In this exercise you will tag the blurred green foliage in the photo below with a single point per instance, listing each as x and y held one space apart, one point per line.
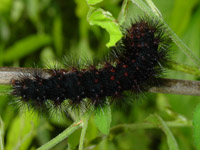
44 31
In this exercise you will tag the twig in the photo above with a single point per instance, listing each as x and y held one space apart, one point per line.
61 136
9 73
171 86
174 86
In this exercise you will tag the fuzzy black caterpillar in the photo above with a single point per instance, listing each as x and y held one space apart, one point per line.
136 66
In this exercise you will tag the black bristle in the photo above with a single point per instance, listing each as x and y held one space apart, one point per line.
137 64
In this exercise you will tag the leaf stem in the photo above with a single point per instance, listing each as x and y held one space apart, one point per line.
160 123
76 125
154 8
85 119
184 68
1 134
148 125
123 12
83 132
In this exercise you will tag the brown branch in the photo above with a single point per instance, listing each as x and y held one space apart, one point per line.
171 86
175 86
9 73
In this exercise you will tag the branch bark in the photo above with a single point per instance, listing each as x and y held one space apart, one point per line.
175 86
9 73
170 86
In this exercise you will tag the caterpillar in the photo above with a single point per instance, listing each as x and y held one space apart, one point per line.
136 65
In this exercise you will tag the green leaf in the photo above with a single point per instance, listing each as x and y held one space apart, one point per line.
47 56
196 124
160 123
57 35
93 2
103 119
33 11
5 6
104 19
17 11
182 9
81 10
26 46
73 139
21 132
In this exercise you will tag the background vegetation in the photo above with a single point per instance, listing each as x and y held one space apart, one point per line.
42 32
